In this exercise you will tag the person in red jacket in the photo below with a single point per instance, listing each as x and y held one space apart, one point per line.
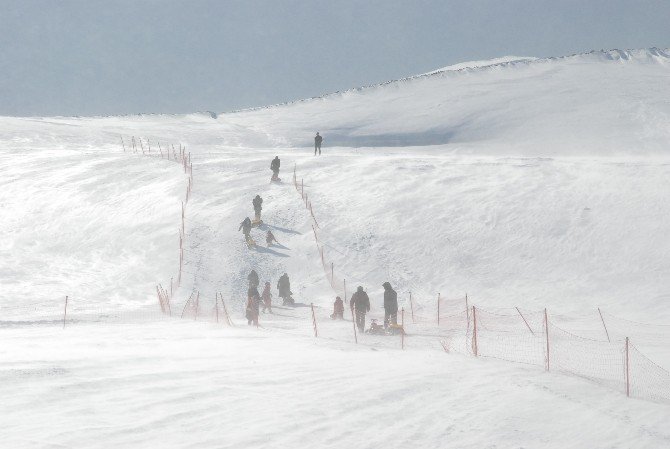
266 296
338 309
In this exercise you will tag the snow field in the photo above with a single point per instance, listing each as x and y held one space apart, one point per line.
453 183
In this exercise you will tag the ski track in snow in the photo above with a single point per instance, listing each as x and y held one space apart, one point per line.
529 190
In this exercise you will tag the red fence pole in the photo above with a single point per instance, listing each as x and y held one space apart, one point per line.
65 312
475 347
627 370
438 309
124 144
411 305
546 333
601 319
316 332
467 308
524 320
402 330
216 307
332 275
345 290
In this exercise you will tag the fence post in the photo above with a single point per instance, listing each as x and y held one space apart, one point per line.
345 290
225 311
65 312
353 320
601 319
411 306
302 188
546 333
402 330
124 144
332 275
467 308
216 307
149 145
197 306
627 370
475 344
438 309
160 300
524 320
475 347
316 332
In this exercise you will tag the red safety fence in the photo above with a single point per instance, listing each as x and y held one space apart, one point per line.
595 347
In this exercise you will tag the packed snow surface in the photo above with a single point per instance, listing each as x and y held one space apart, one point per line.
523 183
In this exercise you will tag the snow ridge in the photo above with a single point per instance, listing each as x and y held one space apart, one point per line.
648 55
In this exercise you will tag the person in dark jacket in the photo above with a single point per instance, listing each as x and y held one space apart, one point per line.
253 279
390 305
284 287
253 303
317 143
245 226
274 166
360 303
258 206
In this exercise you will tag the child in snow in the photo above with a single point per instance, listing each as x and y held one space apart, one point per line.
338 309
267 298
269 238
253 300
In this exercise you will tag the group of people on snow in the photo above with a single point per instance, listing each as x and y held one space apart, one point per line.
359 302
257 300
360 306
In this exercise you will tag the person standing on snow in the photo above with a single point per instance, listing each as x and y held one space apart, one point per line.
360 303
245 226
317 143
390 305
253 301
274 166
284 287
338 309
258 206
253 279
270 237
267 298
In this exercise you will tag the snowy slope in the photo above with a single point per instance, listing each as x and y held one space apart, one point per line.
525 183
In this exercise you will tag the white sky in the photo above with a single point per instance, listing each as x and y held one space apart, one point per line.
85 57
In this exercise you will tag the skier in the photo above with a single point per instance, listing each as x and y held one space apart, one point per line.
338 309
390 305
360 303
274 166
270 237
253 279
253 300
284 287
267 298
245 226
317 143
258 206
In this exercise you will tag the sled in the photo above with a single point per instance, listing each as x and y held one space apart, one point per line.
250 242
277 180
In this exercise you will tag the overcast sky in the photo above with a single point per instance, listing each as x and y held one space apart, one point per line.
91 57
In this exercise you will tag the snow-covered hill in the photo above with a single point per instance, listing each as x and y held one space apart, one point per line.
529 183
